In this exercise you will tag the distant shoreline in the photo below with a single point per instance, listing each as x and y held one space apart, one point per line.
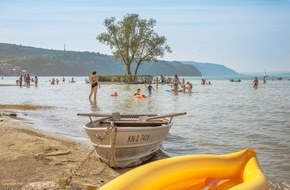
8 85
117 83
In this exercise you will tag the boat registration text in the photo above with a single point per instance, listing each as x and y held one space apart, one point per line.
138 138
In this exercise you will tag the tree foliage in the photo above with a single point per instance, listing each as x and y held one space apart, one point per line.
133 40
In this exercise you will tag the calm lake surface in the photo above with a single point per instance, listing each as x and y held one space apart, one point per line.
221 118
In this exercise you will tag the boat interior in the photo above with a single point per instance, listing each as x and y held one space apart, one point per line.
120 120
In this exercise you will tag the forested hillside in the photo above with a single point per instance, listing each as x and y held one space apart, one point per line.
211 69
45 62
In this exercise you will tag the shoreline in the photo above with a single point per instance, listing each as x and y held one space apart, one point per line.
28 155
8 85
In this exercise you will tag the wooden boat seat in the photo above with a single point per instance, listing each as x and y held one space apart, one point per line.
136 123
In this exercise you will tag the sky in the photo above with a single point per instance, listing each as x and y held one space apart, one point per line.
244 35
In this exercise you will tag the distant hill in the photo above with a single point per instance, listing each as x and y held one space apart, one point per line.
211 69
45 62
169 68
280 74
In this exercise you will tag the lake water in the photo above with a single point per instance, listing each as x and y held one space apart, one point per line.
221 118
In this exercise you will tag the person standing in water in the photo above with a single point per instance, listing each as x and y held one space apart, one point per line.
157 82
150 88
264 80
189 87
36 81
175 82
20 80
27 80
162 78
94 79
255 83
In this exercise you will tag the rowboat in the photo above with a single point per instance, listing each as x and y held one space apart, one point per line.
235 171
127 140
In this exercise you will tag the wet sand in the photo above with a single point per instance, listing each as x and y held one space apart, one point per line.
28 155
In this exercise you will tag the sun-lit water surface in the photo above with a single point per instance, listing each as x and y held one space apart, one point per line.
221 118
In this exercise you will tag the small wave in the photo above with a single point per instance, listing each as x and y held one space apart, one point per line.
278 185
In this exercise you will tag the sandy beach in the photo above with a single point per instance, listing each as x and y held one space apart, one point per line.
28 155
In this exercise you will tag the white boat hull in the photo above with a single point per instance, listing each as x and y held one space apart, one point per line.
123 147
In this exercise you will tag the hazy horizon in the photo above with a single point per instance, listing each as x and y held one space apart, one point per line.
246 36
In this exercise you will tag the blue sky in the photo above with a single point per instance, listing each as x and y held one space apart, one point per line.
245 35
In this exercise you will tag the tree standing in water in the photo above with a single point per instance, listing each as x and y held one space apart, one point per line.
133 40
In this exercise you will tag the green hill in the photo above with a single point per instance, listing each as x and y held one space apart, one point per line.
45 62
211 69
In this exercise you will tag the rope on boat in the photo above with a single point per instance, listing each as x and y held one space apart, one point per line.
68 180
73 173
112 157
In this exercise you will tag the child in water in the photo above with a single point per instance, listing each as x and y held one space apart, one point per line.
137 93
150 88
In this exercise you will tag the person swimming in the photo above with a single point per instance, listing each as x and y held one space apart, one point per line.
114 94
137 93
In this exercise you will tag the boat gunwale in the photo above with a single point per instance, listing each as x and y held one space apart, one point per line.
127 128
127 124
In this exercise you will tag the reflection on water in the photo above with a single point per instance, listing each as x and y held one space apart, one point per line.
221 118
94 106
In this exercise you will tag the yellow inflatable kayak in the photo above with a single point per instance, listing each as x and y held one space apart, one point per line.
235 171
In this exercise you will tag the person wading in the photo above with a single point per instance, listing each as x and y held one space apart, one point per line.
94 79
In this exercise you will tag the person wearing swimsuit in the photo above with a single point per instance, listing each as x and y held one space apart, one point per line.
94 85
255 83
175 82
